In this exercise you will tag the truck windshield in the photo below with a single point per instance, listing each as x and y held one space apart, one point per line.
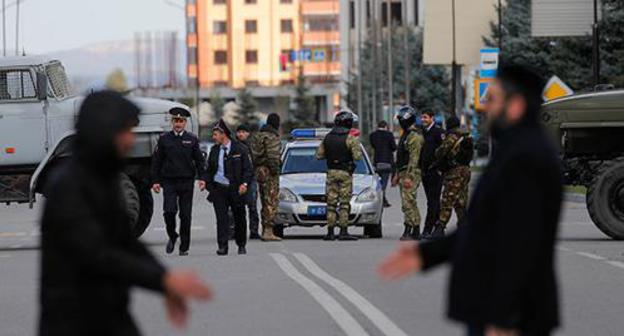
303 160
58 80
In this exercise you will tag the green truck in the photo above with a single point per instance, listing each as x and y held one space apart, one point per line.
589 129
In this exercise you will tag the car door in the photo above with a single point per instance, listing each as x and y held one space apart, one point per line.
23 133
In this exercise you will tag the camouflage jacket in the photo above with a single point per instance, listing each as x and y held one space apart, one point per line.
445 154
353 144
266 149
413 145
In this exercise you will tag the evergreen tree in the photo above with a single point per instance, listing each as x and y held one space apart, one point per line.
247 108
304 113
217 102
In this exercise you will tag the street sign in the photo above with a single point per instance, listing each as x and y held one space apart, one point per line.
480 94
556 88
319 55
489 62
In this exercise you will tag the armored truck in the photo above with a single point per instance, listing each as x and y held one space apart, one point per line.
37 115
589 129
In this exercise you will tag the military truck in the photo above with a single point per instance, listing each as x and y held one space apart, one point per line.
37 115
589 129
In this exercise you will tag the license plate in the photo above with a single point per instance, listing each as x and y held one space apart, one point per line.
317 210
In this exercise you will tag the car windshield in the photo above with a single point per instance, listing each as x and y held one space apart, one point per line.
303 160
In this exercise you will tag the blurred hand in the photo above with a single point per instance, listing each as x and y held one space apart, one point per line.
496 331
156 188
242 189
395 180
408 184
186 285
405 261
177 310
202 185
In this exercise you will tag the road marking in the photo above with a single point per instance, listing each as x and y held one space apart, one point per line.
379 319
564 249
16 246
591 255
596 257
338 313
617 264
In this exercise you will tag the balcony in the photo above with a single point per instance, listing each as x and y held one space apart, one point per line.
322 69
312 38
322 7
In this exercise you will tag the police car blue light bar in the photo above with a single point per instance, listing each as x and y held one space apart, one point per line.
309 133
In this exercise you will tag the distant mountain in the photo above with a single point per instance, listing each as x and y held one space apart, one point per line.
89 66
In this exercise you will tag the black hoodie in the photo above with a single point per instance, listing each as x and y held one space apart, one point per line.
89 258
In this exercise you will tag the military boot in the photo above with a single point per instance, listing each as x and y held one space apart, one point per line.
269 236
406 234
330 233
344 234
438 232
415 233
427 231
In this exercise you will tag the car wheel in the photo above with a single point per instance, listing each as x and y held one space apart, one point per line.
131 199
278 230
146 208
605 199
373 231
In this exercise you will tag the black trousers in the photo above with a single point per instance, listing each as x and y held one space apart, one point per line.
178 197
432 183
224 199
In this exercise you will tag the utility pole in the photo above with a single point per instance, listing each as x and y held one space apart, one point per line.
358 23
453 65
17 27
500 30
373 32
406 63
4 51
390 65
596 45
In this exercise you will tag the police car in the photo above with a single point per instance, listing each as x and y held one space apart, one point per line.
302 200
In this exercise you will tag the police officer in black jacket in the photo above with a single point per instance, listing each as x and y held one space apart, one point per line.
227 179
431 177
176 163
502 258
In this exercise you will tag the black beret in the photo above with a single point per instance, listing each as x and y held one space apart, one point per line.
243 127
178 112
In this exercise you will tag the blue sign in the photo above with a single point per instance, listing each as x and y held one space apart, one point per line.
489 62
319 55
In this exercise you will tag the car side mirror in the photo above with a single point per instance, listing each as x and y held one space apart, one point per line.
42 86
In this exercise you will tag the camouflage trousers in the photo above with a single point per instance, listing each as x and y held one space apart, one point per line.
338 190
268 186
409 206
454 194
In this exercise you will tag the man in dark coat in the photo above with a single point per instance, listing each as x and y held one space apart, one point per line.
384 145
503 278
431 177
228 177
89 257
243 132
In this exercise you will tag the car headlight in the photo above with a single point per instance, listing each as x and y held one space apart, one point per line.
287 196
367 195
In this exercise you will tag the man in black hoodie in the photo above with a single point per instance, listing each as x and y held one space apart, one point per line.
502 257
89 257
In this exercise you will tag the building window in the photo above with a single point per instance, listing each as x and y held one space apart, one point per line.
250 2
218 2
220 83
192 26
395 13
287 82
219 27
316 23
416 12
252 83
251 26
286 1
220 57
192 56
351 14
251 56
287 26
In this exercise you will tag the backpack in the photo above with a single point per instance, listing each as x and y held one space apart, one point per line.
463 151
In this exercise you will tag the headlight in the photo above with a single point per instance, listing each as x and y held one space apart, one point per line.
366 196
287 196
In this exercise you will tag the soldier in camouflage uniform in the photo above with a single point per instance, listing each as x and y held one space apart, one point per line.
341 150
409 174
455 167
266 155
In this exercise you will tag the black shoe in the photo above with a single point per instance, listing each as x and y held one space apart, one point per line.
222 251
427 231
344 235
386 204
242 250
407 234
184 253
438 232
330 234
170 245
416 233
254 236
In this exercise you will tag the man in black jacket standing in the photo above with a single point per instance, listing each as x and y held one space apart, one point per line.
228 177
176 163
431 177
503 278
384 145
251 200
89 257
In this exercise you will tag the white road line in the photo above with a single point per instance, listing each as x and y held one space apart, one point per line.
379 319
340 315
617 264
591 255
564 249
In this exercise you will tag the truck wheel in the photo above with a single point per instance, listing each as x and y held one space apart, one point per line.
373 231
131 199
146 208
605 199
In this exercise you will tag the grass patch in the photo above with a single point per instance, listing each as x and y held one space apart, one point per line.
582 190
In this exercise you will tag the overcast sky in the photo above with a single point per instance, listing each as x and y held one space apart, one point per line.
52 25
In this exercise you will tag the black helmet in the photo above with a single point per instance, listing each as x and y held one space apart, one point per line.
345 118
452 122
406 116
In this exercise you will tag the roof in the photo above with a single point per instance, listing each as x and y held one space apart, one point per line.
602 99
14 61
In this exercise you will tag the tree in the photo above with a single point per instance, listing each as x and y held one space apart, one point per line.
247 108
217 102
116 81
304 113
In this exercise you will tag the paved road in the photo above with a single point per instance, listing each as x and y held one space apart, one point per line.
305 286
